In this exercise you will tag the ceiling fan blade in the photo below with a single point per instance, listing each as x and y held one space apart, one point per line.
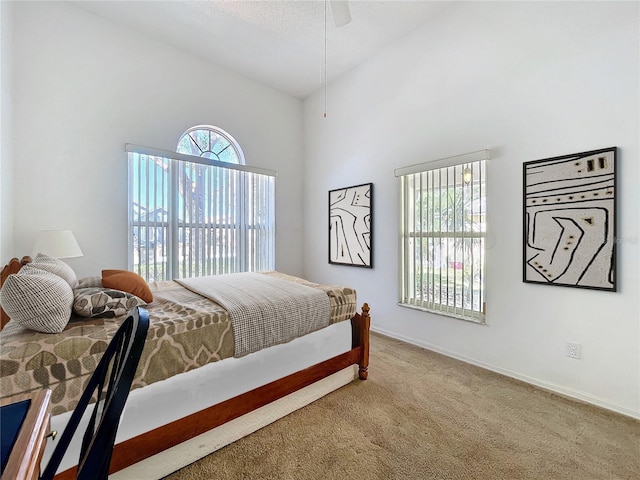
341 12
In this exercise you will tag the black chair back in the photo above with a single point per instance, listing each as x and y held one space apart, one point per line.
109 388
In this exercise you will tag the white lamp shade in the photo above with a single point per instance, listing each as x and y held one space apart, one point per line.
58 244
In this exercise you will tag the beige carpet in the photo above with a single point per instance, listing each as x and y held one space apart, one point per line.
425 416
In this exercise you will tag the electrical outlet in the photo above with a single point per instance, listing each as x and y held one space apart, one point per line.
574 350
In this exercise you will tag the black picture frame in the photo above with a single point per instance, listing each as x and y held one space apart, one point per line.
569 220
351 226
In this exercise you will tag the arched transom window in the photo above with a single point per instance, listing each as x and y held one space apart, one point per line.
210 142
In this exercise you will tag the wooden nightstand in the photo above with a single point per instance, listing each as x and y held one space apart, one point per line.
23 462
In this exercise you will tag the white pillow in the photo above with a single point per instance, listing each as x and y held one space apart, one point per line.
56 266
37 299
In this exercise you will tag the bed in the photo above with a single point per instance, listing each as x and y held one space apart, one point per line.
191 381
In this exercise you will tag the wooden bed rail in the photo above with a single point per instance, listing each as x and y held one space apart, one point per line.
13 266
162 438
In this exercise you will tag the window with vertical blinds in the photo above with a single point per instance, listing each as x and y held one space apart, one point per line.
443 229
198 215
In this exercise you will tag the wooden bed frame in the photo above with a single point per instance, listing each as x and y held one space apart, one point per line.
13 266
155 441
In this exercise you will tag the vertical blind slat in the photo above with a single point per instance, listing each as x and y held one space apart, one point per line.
218 215
418 242
443 230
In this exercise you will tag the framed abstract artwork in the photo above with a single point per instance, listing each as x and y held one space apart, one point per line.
569 227
350 226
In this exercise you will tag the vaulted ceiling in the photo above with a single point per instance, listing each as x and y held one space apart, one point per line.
275 42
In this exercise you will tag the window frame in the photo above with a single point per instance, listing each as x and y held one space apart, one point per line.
414 289
239 154
169 266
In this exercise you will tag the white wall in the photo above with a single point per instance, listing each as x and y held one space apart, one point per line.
83 87
6 164
527 81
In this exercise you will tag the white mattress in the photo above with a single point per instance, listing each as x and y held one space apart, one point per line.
169 400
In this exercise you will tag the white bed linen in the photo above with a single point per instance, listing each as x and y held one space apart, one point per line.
174 398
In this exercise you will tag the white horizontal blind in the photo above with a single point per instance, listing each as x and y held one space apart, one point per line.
443 231
194 218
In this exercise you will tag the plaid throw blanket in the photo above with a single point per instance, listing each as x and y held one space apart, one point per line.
264 310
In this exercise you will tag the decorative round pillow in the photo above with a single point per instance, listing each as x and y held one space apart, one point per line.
58 267
104 302
37 299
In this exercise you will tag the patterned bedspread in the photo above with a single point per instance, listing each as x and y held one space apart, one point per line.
187 331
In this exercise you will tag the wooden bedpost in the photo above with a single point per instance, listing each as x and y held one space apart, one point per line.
360 334
13 266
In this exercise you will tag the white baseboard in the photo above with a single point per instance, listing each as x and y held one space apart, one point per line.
562 390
